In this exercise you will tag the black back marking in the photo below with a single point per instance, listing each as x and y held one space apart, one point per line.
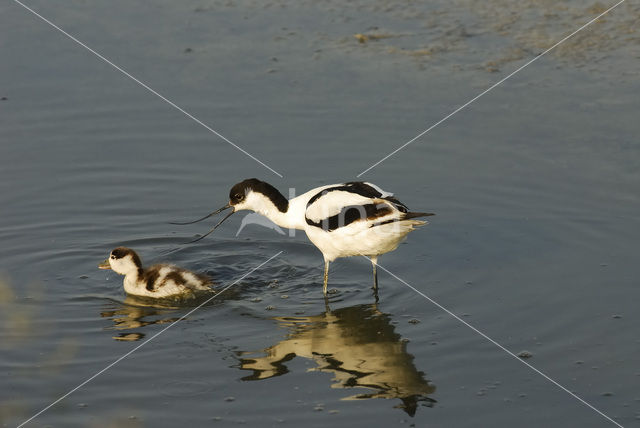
150 276
350 214
239 191
175 276
360 188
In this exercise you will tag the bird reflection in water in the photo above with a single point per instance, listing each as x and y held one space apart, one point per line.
135 313
358 345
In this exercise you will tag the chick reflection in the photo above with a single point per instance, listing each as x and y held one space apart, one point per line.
358 345
134 314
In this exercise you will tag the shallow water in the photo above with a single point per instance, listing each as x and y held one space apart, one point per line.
535 186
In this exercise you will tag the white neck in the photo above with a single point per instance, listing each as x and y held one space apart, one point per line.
293 218
132 275
130 282
124 266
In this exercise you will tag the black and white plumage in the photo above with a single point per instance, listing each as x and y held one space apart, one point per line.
342 220
158 281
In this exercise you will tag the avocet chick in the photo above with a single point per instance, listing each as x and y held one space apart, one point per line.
157 281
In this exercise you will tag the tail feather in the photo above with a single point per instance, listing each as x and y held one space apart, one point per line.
404 218
407 216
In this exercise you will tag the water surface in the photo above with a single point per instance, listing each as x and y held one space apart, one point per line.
535 187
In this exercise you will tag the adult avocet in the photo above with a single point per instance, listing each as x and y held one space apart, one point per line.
342 220
157 281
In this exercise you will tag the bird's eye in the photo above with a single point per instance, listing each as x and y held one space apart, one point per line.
113 257
238 196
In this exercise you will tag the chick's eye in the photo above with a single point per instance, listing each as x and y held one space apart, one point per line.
113 257
238 196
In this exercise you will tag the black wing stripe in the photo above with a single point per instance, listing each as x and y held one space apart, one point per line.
150 276
350 214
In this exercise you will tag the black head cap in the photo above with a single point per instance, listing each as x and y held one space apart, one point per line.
239 192
121 252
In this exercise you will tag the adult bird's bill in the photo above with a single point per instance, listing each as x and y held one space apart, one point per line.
219 210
